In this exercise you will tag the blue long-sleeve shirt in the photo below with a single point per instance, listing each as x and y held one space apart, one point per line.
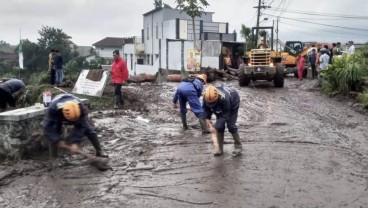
195 88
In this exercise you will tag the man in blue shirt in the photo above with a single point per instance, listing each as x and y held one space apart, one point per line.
190 90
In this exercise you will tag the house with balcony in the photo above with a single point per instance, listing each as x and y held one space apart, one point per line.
168 36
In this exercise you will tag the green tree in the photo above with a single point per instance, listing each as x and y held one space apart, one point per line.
54 38
246 33
4 44
31 53
158 4
194 8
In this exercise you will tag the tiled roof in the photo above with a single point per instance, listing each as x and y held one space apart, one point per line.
110 42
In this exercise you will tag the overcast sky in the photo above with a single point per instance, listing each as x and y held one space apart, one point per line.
89 21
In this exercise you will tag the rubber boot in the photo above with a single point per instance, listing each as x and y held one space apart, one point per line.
220 140
119 102
202 122
53 153
184 121
237 144
96 144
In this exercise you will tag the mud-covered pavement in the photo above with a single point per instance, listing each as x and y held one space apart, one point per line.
300 149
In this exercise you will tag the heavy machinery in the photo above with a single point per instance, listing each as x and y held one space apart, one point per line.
293 49
262 64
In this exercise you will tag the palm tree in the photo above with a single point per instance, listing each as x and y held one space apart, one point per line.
194 8
246 33
158 4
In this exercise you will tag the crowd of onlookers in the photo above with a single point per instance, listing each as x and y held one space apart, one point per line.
320 57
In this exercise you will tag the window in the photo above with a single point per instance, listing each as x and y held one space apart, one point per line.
147 32
156 30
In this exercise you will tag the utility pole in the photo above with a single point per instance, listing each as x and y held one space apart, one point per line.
259 7
277 34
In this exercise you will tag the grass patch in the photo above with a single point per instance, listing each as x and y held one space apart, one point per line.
363 98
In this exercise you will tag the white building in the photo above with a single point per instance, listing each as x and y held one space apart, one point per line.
106 46
166 38
168 34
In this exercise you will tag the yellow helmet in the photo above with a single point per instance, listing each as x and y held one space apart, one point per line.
211 94
203 77
71 111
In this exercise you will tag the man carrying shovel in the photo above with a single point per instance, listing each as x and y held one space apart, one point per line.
224 103
190 90
69 110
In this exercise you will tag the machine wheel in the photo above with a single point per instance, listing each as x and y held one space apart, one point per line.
243 79
279 76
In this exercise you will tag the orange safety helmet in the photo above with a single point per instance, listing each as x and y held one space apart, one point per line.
71 111
211 94
203 77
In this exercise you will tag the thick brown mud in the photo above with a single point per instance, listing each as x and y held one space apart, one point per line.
300 149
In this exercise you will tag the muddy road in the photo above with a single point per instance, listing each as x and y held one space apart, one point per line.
300 149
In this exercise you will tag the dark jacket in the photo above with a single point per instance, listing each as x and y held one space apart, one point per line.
227 104
312 58
58 61
54 120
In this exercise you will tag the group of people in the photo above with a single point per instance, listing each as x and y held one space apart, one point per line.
222 101
67 109
56 67
320 57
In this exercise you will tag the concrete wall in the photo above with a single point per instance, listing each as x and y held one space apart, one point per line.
169 14
106 52
22 131
147 69
20 137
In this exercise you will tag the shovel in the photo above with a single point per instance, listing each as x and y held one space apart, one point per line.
99 163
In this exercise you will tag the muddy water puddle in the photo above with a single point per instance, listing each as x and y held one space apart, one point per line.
300 149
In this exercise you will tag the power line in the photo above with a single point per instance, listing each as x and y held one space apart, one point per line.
322 14
321 30
328 25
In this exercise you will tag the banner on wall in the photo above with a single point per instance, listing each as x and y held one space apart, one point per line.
194 60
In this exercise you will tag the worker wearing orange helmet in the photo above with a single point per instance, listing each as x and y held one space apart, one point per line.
224 103
190 90
69 110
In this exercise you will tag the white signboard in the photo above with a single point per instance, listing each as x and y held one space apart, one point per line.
88 87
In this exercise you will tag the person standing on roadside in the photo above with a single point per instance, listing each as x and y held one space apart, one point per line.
58 61
301 65
351 49
119 75
52 66
312 60
331 52
323 60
